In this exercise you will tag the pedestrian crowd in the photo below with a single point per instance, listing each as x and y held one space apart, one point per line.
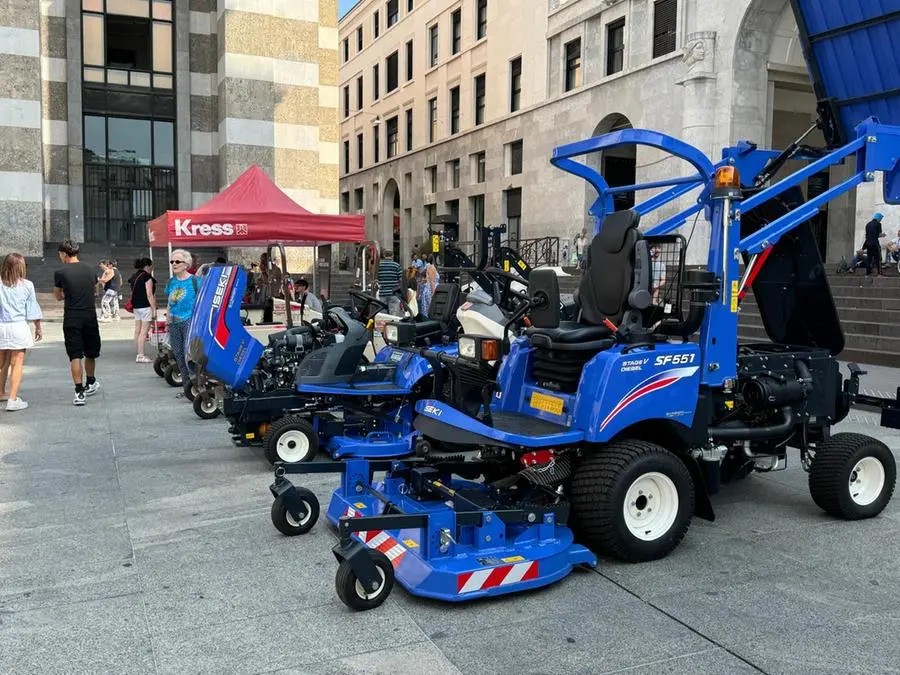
414 286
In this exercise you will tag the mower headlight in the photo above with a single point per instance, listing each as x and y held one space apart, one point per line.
467 347
391 334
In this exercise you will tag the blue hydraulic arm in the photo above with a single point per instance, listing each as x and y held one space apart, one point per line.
876 148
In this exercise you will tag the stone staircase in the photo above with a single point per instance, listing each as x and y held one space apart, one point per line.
869 309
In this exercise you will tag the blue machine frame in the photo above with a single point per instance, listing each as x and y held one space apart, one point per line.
621 376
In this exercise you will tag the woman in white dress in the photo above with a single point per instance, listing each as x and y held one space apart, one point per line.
18 306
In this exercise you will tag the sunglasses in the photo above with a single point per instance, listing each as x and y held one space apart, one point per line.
177 262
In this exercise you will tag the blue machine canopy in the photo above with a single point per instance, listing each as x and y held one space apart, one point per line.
852 50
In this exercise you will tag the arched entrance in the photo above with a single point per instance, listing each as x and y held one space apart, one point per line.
774 104
390 218
618 166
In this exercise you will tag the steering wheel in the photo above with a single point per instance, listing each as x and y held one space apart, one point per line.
368 300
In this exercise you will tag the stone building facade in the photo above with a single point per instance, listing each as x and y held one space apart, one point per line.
708 72
112 111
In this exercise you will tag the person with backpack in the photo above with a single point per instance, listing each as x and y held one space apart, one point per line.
111 279
181 292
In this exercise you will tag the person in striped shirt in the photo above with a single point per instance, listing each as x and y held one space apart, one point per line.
390 276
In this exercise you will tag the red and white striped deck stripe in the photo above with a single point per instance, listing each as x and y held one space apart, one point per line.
379 540
496 576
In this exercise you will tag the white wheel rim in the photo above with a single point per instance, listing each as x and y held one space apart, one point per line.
651 506
208 406
294 522
866 481
361 592
292 445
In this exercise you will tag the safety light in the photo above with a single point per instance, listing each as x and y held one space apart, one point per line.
490 350
727 177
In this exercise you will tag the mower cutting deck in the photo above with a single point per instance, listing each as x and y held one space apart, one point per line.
438 535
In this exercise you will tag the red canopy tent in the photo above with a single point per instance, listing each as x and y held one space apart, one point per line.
252 211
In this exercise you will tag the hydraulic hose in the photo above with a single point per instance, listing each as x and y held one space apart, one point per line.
741 432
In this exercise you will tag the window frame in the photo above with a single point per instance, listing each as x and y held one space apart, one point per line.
387 72
408 124
454 109
515 93
480 99
611 51
392 147
456 31
481 19
434 45
410 60
572 68
668 37
432 119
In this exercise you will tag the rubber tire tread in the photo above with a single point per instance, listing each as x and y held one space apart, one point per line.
828 485
596 478
197 404
158 366
345 582
269 448
170 376
279 514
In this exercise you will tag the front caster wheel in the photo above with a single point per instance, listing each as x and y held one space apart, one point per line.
285 523
632 499
173 376
291 439
190 389
159 366
351 591
205 407
852 476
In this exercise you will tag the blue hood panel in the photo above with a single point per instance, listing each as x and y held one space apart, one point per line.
217 338
852 50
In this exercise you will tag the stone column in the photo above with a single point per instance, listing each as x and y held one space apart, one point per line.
54 120
278 97
21 175
698 121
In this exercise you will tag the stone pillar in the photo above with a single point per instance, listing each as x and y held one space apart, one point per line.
21 151
698 121
278 98
74 229
203 122
54 120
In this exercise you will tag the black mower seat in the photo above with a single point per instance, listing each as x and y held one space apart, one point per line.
568 332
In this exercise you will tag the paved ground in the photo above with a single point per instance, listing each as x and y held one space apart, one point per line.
135 538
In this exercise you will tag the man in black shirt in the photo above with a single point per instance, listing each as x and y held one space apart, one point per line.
74 284
873 245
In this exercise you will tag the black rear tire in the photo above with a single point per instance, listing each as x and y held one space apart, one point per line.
289 526
291 439
350 591
158 365
173 376
852 476
612 494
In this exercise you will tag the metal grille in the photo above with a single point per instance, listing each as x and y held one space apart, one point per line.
664 22
666 272
120 199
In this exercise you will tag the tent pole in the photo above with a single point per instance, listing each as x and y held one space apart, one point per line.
315 265
170 257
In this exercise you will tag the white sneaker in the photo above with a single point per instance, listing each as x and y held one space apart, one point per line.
117 318
104 319
91 389
79 398
14 404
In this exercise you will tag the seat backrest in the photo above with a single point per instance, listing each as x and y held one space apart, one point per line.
616 263
543 288
444 303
